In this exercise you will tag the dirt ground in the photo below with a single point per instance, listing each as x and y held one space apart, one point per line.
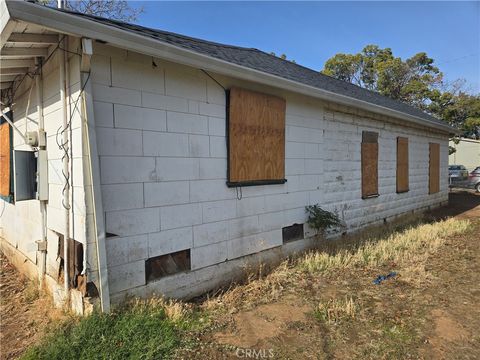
24 314
439 320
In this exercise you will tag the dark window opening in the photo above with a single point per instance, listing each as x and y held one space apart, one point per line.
169 264
75 263
292 233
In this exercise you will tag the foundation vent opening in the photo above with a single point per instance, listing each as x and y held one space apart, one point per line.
164 265
292 233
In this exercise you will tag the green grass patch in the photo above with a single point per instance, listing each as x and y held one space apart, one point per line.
143 330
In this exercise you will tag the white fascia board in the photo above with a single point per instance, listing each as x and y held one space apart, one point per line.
6 23
82 27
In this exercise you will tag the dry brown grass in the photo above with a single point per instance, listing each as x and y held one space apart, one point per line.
406 243
175 310
413 245
335 310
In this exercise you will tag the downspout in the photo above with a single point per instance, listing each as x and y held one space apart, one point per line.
94 172
43 203
66 173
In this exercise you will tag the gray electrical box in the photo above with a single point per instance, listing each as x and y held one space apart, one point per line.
25 166
42 175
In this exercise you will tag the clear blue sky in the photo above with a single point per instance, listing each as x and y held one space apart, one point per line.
311 32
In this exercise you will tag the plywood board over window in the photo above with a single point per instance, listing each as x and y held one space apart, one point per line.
369 164
6 187
402 165
256 138
434 168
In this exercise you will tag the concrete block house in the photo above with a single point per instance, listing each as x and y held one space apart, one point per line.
136 161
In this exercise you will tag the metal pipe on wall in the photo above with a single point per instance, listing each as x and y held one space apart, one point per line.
43 203
66 172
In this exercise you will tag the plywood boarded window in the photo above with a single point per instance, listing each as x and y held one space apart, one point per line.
369 164
434 168
256 138
402 164
6 170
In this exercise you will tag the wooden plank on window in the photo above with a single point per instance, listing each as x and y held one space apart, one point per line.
256 130
402 165
5 161
434 168
369 169
369 164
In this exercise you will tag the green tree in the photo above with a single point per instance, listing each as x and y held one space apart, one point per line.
415 81
459 109
377 69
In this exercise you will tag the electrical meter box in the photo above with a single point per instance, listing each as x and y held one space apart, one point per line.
31 176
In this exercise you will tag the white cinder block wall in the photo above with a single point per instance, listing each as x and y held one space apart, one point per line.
21 222
163 161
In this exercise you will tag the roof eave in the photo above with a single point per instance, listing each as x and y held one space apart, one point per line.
77 26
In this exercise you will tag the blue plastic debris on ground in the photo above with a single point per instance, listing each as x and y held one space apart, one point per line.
381 278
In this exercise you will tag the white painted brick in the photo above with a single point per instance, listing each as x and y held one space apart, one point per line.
215 94
211 233
218 210
242 227
275 202
103 113
210 190
187 123
209 255
213 168
295 150
126 276
303 182
271 221
294 216
100 66
118 142
55 171
133 75
255 243
193 107
133 117
313 151
218 146
294 166
198 146
250 206
116 95
166 242
212 110
216 126
177 169
185 83
165 144
122 196
126 169
126 249
162 102
313 166
303 134
180 216
133 222
166 193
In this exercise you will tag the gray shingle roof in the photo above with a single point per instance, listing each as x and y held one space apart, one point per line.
264 62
